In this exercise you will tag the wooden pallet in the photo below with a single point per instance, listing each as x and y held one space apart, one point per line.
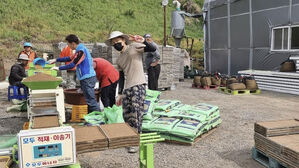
205 87
238 92
265 160
202 136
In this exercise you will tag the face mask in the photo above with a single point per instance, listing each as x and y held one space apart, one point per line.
118 46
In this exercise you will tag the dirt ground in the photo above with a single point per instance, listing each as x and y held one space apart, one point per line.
228 147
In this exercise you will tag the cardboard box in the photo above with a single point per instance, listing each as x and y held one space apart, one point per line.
276 128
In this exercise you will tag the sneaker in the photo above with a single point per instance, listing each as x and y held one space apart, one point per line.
132 149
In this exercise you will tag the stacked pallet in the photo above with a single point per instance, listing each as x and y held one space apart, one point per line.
284 82
279 140
89 139
296 60
120 135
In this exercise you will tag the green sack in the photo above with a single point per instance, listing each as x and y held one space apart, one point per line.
214 122
147 123
149 106
185 107
160 113
153 94
7 141
114 114
187 115
189 128
163 124
205 109
166 105
95 118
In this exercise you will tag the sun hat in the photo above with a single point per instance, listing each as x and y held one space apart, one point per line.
116 34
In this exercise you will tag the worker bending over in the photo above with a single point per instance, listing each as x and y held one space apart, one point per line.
108 77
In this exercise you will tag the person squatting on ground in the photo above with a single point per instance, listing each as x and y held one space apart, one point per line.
131 50
82 60
70 79
108 78
29 52
152 64
17 71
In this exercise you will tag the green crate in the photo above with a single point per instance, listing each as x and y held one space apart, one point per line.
38 85
32 72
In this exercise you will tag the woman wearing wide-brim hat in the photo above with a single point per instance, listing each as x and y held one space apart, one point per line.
131 50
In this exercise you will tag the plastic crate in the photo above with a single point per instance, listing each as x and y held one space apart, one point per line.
32 72
78 113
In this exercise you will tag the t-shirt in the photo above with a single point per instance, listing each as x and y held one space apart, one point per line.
130 62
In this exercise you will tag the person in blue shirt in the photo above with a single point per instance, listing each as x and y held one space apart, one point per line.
82 60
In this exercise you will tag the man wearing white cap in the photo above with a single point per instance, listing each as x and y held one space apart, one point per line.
131 50
17 71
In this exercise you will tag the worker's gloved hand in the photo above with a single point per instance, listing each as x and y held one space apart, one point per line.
118 101
55 68
52 61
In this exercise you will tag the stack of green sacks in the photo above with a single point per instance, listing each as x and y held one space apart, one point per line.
180 122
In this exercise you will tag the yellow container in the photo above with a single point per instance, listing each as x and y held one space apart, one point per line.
78 113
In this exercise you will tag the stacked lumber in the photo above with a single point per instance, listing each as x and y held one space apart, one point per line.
89 139
279 140
120 135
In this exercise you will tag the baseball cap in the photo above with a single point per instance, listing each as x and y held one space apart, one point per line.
147 35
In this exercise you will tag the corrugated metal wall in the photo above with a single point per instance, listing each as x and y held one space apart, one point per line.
243 40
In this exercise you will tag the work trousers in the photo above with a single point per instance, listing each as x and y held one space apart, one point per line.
87 86
108 94
153 76
133 106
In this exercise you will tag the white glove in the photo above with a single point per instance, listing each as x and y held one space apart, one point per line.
52 61
55 68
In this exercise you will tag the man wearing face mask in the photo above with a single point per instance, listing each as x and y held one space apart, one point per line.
17 71
131 50
82 60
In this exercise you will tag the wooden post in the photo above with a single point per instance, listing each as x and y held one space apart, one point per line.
164 26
